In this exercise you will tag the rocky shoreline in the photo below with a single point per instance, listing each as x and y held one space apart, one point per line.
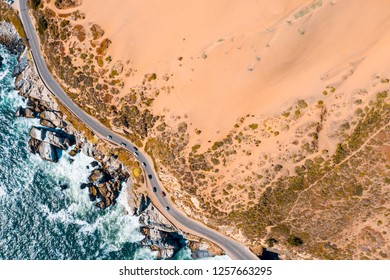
55 136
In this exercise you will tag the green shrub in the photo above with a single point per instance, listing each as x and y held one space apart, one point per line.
217 145
42 25
35 4
152 77
382 95
195 148
294 241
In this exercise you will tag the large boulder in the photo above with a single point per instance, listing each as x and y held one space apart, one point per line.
48 152
92 192
47 123
53 118
25 112
33 145
56 138
45 150
29 113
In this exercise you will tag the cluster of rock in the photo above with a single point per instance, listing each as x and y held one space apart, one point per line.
160 234
104 187
48 140
55 136
10 38
48 143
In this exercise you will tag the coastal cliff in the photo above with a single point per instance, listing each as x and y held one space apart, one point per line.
56 135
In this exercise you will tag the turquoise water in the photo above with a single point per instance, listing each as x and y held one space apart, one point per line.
38 220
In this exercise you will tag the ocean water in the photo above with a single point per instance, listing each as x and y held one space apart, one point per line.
38 220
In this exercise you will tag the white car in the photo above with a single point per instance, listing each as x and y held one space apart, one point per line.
136 154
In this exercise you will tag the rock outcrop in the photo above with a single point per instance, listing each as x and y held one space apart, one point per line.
166 243
104 187
56 138
10 38
46 142
52 119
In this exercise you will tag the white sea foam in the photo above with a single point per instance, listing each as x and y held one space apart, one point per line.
2 190
145 254
115 227
3 74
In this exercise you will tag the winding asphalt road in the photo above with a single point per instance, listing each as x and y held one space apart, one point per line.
231 247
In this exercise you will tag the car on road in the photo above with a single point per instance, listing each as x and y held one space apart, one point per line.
123 144
150 176
167 208
154 189
144 164
136 154
109 137
163 194
135 148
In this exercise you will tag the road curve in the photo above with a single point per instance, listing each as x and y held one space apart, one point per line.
232 248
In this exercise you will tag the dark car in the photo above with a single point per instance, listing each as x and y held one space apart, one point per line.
135 148
167 208
109 137
154 189
163 193
150 176
123 144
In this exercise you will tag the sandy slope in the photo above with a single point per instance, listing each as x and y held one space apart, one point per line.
260 55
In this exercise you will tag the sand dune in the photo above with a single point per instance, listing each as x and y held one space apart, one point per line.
239 59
